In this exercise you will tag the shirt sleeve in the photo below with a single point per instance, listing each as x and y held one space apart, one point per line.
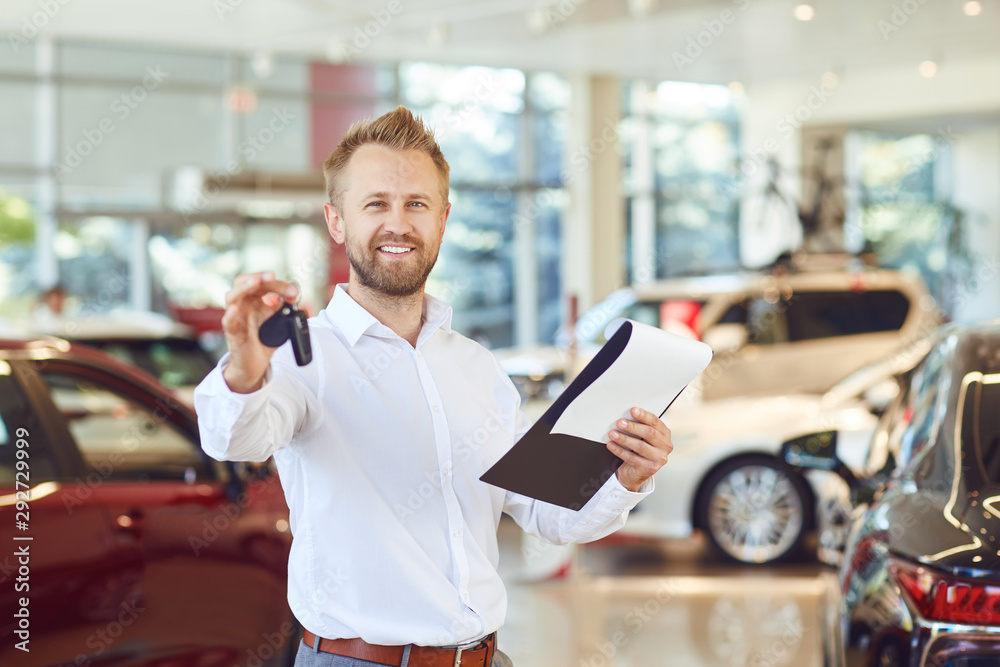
251 427
603 514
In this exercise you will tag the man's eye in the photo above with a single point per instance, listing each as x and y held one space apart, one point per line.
417 203
376 203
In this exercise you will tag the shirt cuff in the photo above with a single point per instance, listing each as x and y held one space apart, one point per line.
617 498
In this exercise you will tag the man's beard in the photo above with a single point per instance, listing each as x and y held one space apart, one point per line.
403 280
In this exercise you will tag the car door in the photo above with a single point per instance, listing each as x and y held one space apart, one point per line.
59 580
209 573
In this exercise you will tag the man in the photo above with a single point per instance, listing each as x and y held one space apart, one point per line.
380 441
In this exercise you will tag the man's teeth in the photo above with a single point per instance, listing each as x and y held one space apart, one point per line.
395 250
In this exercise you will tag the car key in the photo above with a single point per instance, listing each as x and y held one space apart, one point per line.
288 323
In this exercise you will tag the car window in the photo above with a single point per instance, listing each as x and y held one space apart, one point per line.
647 312
817 315
20 432
981 426
176 362
924 407
120 438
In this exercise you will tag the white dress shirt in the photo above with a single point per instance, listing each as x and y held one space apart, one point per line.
379 446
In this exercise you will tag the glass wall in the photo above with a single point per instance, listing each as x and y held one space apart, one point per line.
681 144
127 122
503 134
901 207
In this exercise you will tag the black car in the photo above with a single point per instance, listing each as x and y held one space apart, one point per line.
920 579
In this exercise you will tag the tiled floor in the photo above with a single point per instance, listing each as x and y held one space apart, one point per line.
672 604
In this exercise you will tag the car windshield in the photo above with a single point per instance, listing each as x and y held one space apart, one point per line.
855 384
590 326
176 362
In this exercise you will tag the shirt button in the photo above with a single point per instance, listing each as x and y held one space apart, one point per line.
456 533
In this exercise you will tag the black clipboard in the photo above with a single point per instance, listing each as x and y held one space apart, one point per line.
566 469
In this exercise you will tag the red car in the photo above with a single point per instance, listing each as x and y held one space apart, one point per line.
123 542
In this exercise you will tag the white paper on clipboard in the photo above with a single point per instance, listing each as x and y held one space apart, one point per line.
651 371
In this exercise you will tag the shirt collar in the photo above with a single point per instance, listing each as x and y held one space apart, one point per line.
352 318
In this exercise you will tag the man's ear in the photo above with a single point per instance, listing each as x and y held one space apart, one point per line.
444 219
334 222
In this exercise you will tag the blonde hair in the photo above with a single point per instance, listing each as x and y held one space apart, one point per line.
399 130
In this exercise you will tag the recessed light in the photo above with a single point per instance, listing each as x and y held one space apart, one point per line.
830 79
972 8
736 89
640 8
928 68
537 20
804 12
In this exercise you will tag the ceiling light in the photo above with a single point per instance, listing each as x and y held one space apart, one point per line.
804 12
928 68
736 89
640 8
537 20
438 35
336 52
262 64
830 79
973 8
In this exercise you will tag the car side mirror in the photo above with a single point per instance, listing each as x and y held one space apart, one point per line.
818 451
727 337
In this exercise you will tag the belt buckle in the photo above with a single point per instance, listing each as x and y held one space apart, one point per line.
458 657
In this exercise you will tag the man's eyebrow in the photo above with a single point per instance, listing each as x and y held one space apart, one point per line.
387 195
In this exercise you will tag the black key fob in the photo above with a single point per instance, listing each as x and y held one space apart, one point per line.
288 324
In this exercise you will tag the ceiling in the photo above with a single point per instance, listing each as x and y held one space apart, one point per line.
746 40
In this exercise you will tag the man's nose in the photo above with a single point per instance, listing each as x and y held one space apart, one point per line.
398 221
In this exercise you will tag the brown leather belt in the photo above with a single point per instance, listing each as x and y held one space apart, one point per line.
479 655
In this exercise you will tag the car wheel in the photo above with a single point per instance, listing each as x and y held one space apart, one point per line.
754 509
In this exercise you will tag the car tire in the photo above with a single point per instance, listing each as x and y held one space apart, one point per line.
754 509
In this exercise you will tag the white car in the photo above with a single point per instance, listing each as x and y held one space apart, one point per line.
772 334
726 476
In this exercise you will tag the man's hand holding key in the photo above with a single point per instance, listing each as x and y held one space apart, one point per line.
253 298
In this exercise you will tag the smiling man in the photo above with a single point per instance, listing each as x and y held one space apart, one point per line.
383 414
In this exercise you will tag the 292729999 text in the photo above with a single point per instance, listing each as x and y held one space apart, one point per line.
22 546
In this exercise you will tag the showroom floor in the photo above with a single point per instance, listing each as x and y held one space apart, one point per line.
667 604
